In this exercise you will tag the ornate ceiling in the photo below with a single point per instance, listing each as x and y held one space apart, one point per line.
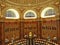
27 2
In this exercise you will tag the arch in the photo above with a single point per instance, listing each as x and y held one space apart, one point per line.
11 14
48 12
30 14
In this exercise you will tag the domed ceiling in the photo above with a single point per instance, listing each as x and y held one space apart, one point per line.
27 2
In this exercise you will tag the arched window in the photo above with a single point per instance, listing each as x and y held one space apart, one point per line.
48 12
30 14
11 14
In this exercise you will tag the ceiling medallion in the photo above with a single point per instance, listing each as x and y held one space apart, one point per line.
27 2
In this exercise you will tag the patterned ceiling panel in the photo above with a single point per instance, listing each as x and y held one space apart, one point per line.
27 2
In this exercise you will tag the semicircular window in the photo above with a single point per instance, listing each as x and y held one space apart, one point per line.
48 12
30 15
11 14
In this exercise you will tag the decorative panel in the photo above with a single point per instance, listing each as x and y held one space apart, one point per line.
12 30
49 29
30 26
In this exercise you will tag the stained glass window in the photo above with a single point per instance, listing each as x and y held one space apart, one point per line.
11 14
30 15
48 12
